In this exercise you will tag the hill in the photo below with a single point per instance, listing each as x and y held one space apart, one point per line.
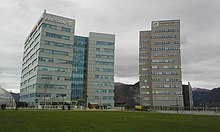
126 95
205 97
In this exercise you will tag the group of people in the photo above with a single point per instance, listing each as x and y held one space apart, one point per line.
3 106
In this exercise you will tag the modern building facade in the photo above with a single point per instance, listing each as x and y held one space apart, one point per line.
187 96
100 69
79 69
160 65
55 62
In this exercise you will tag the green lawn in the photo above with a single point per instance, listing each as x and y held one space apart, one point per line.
56 121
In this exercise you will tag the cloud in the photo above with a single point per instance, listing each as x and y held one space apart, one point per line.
125 18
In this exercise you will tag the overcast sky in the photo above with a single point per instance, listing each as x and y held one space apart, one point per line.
200 31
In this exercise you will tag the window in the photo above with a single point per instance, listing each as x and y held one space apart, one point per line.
172 80
143 58
46 59
167 36
58 44
63 78
144 92
104 70
155 79
49 26
104 91
54 52
104 43
166 30
104 76
155 67
57 36
48 77
144 69
54 69
145 81
104 63
145 86
166 48
103 84
161 92
105 56
165 99
64 61
65 29
146 99
163 61
171 67
166 86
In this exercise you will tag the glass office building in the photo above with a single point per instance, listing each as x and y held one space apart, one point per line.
79 68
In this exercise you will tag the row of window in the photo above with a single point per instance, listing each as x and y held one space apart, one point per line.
104 91
27 67
166 99
166 86
166 48
105 50
145 40
30 53
52 43
143 52
165 67
162 92
166 42
104 76
103 84
46 25
164 73
28 80
166 80
163 61
53 69
104 56
56 52
163 55
143 46
143 58
46 59
145 86
57 36
33 33
142 63
104 63
105 43
104 70
50 77
60 61
52 86
32 95
104 97
166 30
166 36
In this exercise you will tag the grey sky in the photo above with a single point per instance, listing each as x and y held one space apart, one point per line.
199 33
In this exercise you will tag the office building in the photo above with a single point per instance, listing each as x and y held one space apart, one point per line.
79 69
100 69
160 65
187 96
55 63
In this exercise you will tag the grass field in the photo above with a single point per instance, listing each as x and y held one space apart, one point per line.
91 121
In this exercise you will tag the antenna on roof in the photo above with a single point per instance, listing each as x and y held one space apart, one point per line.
45 11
